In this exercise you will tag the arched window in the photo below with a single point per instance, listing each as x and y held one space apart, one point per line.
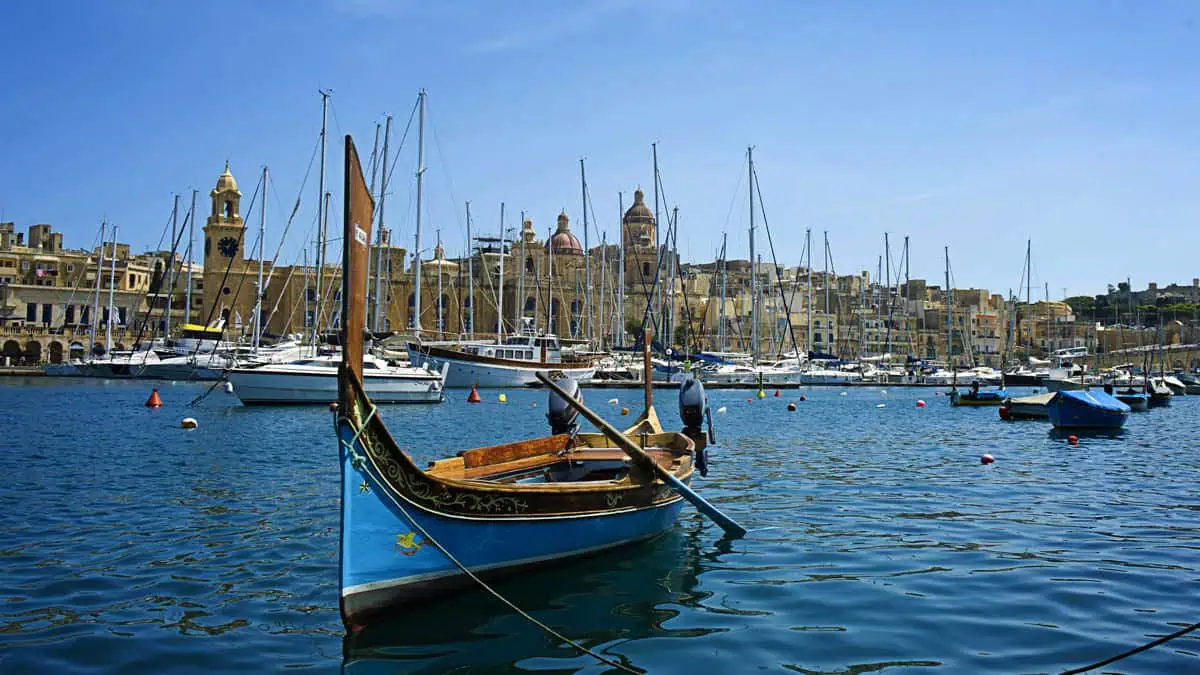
412 310
529 265
229 209
443 312
645 269
530 307
467 323
576 307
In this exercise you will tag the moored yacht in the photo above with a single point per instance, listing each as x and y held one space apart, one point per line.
514 362
314 380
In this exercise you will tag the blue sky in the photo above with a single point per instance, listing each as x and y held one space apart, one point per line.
968 125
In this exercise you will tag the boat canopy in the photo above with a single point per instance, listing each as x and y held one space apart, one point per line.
1096 399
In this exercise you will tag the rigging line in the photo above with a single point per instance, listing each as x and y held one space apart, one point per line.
228 268
157 247
736 191
150 311
757 187
75 286
445 167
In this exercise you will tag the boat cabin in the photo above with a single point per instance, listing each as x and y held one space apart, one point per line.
520 348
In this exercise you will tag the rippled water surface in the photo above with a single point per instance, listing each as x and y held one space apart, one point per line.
880 543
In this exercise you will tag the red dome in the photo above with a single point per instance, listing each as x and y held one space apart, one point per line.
562 241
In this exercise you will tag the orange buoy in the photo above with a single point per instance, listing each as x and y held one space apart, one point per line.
791 407
1005 413
624 411
154 401
987 459
777 394
920 403
473 397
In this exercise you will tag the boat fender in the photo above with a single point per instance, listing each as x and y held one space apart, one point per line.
562 415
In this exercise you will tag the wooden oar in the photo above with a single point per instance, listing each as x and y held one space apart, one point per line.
728 524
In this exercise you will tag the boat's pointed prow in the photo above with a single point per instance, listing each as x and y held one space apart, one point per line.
356 254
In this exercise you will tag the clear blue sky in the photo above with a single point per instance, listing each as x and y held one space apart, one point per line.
967 124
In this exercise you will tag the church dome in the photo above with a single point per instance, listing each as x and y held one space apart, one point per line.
639 213
226 181
563 241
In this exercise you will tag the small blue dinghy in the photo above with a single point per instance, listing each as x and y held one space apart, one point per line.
1086 410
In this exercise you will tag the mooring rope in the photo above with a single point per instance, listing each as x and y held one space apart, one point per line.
1136 650
357 458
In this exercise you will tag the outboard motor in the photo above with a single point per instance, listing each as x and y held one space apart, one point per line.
693 411
562 415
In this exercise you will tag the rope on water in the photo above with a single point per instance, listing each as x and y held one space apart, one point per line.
356 457
203 396
1149 645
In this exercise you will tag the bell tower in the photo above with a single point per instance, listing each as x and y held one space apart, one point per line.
223 241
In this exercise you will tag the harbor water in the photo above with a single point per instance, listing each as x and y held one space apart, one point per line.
879 542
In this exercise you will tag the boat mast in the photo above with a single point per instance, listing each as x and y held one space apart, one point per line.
520 297
603 276
753 270
721 329
96 300
949 300
262 235
470 275
808 247
826 275
887 260
500 289
420 181
1029 296
907 328
673 232
657 239
620 327
587 256
322 209
550 283
187 310
112 283
171 267
380 301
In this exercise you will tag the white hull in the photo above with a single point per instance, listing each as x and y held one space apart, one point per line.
179 371
466 374
265 387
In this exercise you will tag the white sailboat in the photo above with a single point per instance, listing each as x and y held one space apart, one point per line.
315 381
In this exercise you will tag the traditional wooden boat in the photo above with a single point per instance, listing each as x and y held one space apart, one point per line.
1026 407
409 533
1086 410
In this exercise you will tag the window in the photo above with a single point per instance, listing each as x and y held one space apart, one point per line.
645 269
70 315
529 265
228 209
121 315
47 313
70 268
30 312
24 265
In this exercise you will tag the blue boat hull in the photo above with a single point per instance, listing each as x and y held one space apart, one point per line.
1075 412
387 559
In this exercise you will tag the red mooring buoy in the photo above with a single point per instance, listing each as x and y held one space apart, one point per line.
473 397
777 394
803 397
1005 413
333 406
1073 439
987 459
791 407
154 401
920 403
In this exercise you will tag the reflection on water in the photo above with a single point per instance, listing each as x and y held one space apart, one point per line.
878 543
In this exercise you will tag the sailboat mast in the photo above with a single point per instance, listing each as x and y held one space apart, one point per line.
96 300
262 236
187 310
949 304
907 328
808 247
753 269
603 275
112 284
721 329
170 280
321 211
587 256
470 275
500 289
826 275
380 301
887 261
657 237
417 237
550 284
620 327
441 325
674 234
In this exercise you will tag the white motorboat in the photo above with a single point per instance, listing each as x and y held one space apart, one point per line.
315 381
512 363
200 367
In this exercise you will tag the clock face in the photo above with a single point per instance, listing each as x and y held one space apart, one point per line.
228 247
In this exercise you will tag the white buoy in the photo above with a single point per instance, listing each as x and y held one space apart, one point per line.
883 391
228 387
881 405
188 423
613 401
842 394
721 410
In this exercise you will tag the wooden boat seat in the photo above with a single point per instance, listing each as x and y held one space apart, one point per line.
457 467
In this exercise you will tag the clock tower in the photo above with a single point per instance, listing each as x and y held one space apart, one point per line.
223 238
